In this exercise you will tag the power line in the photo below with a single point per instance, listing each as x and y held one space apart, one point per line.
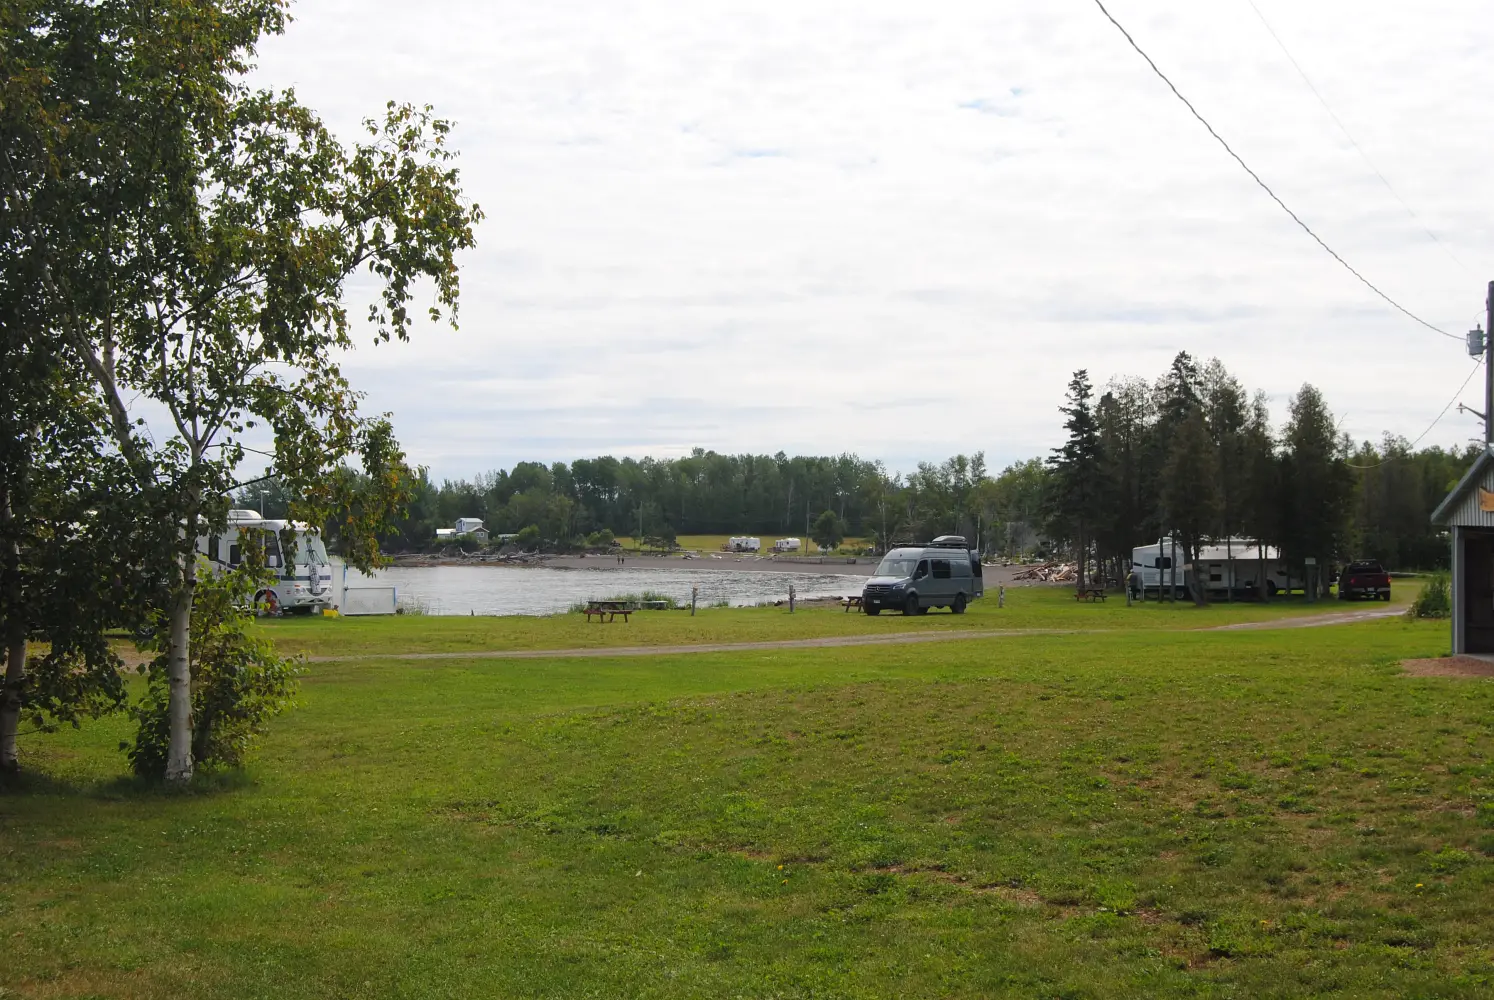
1263 185
1433 424
1352 141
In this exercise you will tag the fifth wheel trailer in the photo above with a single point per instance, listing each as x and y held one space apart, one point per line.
1231 564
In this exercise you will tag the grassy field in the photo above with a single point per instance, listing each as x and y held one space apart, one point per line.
1146 810
1048 608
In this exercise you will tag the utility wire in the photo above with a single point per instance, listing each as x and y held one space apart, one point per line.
1434 423
1352 141
1263 185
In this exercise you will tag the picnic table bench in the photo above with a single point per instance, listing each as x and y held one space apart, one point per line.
1090 594
609 609
854 601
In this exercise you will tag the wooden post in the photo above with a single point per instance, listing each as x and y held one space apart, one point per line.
694 593
791 598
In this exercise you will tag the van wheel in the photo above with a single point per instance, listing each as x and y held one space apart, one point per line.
1271 588
910 606
958 607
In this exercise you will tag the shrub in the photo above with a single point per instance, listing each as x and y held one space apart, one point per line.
1434 600
528 539
239 683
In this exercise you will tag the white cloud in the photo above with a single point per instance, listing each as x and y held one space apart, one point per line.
819 226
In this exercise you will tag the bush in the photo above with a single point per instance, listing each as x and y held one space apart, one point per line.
1434 601
603 539
238 681
528 539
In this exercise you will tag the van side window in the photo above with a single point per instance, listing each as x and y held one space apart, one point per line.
959 568
922 570
975 566
941 569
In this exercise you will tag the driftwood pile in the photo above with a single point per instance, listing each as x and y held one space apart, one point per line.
1050 573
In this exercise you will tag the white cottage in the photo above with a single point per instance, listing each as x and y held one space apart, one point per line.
1468 514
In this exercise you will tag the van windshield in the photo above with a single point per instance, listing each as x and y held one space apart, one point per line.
898 566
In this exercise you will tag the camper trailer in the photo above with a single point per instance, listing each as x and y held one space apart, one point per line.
1224 565
303 574
744 543
787 545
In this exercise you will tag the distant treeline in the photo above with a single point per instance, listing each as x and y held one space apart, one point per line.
1191 453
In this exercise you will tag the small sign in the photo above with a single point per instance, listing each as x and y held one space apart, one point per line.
1310 561
1485 501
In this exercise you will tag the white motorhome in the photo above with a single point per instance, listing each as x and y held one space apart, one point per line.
1223 565
787 545
744 543
303 576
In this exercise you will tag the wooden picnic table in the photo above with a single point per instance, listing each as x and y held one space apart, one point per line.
608 610
1090 594
854 601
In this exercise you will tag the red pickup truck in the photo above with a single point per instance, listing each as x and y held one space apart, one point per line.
1364 579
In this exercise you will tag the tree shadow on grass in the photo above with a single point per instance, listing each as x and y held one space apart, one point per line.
122 787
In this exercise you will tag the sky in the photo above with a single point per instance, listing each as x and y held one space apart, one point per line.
897 229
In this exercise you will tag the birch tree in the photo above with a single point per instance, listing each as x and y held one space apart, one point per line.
194 251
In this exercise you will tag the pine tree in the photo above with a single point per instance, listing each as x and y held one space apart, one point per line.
1076 465
1190 488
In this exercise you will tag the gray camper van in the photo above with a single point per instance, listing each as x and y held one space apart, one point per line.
913 578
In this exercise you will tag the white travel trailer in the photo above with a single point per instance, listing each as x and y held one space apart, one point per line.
787 545
303 575
1224 565
744 543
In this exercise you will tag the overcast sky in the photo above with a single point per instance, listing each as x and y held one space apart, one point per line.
897 228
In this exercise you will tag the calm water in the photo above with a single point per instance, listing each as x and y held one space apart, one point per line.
503 590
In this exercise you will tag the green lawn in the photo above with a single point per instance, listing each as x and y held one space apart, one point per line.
1139 812
1026 608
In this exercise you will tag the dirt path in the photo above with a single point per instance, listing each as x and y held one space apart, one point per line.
892 639
825 642
1312 621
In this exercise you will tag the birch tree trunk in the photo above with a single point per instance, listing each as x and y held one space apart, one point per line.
10 707
179 660
15 658
179 675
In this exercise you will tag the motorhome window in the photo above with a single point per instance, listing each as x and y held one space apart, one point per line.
941 569
272 551
1162 562
214 549
1215 577
898 566
233 554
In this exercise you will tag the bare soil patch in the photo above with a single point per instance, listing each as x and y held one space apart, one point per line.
1449 666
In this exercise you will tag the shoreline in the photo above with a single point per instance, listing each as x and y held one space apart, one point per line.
861 566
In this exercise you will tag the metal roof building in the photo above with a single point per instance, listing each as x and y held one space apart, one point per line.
1468 514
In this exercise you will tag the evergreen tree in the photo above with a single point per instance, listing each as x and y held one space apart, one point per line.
1076 497
1317 485
1190 488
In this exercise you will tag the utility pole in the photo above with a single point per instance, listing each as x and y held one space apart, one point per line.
1489 368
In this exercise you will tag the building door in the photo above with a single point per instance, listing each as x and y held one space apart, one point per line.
1478 590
